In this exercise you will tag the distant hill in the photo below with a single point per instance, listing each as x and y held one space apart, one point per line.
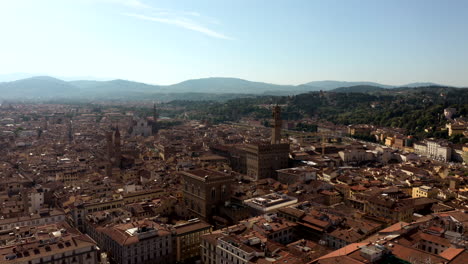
226 85
421 84
330 85
115 86
48 87
36 87
358 89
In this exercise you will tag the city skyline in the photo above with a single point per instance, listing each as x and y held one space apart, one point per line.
166 42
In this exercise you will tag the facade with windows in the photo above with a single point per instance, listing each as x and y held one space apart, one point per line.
434 149
139 242
205 191
53 243
43 217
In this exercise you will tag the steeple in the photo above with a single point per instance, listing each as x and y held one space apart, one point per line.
277 122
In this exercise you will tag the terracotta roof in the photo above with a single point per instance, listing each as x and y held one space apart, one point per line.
460 258
314 221
191 227
340 260
409 254
212 238
396 227
292 211
451 253
435 239
343 251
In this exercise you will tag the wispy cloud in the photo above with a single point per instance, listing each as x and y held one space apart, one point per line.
184 19
181 22
131 3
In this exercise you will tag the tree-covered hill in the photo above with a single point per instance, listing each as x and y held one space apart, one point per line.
415 109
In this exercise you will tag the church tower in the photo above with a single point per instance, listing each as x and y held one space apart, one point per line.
117 147
277 122
114 152
70 131
155 119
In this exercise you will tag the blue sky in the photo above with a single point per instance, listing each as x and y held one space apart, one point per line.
277 41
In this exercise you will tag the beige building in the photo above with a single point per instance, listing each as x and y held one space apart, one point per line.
456 128
355 153
208 247
139 242
424 191
43 217
389 209
187 239
55 243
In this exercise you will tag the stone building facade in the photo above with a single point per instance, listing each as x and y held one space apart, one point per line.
205 191
264 159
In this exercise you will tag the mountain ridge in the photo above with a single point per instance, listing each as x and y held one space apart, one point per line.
46 86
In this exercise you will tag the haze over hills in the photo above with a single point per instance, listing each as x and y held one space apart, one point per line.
329 85
10 77
358 89
49 87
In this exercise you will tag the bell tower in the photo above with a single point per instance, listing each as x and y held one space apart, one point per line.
155 119
277 122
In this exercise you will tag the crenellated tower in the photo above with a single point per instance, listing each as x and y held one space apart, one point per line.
277 123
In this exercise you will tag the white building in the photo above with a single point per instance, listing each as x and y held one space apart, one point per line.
355 153
140 127
232 249
434 149
270 202
138 242
35 200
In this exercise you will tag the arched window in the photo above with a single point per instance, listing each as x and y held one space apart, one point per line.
223 191
213 193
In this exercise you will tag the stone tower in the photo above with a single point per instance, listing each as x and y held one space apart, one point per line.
70 131
114 152
277 122
117 147
155 119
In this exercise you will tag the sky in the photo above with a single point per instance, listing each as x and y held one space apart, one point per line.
276 41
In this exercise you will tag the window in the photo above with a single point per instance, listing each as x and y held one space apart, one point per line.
213 193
